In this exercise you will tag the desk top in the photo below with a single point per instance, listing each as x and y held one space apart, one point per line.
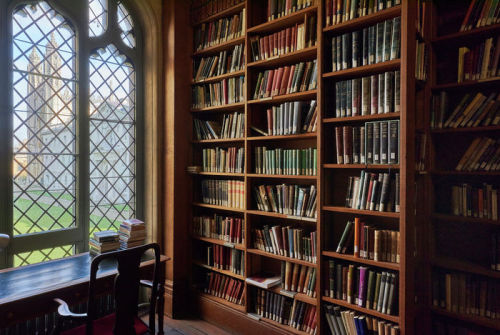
37 279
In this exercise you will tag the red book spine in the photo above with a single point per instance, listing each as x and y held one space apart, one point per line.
266 46
290 79
269 83
276 88
288 36
284 80
275 45
231 230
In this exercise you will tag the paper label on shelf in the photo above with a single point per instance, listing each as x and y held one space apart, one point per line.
229 245
254 316
289 294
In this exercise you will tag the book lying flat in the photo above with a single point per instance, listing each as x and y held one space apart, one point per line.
264 280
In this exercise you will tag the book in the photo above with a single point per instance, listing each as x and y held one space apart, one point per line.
285 161
225 258
230 126
474 200
224 287
478 61
264 280
294 200
219 93
339 11
483 154
227 28
227 193
225 160
226 61
225 228
279 8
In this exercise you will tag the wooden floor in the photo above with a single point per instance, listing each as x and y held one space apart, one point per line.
191 327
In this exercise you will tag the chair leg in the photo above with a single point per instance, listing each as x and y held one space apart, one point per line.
161 307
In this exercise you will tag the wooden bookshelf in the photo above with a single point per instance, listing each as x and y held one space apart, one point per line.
219 47
364 118
226 12
222 76
365 70
363 310
289 58
364 21
353 259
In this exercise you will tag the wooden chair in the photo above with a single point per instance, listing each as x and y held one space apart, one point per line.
125 320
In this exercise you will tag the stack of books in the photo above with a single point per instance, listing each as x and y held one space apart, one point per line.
104 241
132 233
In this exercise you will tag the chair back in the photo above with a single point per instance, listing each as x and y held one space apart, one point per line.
126 288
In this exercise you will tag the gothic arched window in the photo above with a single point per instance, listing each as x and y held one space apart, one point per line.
73 124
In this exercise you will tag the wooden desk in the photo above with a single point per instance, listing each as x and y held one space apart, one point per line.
27 292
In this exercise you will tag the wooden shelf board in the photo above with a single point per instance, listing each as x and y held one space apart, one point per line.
222 208
224 272
226 12
281 176
217 78
458 265
362 118
361 166
464 173
464 35
291 57
282 22
282 216
368 311
364 70
351 258
455 218
475 319
340 209
466 84
218 242
298 296
220 47
219 140
222 108
282 137
464 130
285 327
222 174
279 257
311 94
365 21
237 307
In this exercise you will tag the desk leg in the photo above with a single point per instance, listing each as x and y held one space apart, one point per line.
161 307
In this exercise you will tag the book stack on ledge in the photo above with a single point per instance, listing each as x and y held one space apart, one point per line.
224 287
339 11
201 11
232 126
483 154
481 14
264 280
132 233
104 241
480 61
280 8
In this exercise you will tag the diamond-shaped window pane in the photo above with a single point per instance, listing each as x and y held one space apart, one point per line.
126 25
44 84
42 255
98 17
112 139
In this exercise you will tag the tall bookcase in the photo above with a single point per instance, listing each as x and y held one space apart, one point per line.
459 245
330 178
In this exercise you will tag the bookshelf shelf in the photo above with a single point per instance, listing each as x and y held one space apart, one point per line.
237 307
219 140
472 220
284 327
281 176
351 258
224 272
339 209
362 166
476 319
223 108
281 258
281 216
298 296
459 265
311 94
467 84
219 47
387 116
289 58
365 70
221 174
465 173
464 130
219 242
221 208
364 21
464 36
368 311
282 22
222 76
282 137
226 12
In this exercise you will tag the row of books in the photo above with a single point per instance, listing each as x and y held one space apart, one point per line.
420 151
217 159
344 321
374 44
104 241
285 161
281 8
475 201
466 294
338 11
374 192
219 31
373 143
287 79
287 311
226 228
495 252
365 241
363 286
226 91
226 61
481 14
203 9
132 233
232 126
287 199
224 258
228 193
291 118
288 40
480 61
440 327
225 287
421 61
298 278
472 110
483 154
376 94
287 241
